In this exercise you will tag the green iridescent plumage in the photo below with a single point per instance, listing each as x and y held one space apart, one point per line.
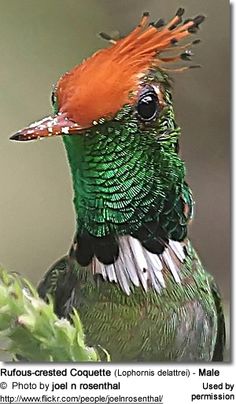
132 273
179 324
126 176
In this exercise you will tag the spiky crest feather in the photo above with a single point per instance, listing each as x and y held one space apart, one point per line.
101 85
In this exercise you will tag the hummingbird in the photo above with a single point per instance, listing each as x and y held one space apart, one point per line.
131 272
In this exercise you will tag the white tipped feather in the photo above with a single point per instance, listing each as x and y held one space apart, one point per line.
126 259
155 267
140 261
111 273
177 249
170 264
123 281
155 260
99 268
138 252
136 266
155 281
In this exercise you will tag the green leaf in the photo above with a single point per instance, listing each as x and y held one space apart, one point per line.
32 329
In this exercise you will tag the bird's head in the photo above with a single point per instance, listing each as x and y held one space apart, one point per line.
122 82
115 114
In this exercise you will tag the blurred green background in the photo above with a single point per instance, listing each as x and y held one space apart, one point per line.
40 40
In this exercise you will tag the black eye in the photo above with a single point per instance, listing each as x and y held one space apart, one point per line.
148 107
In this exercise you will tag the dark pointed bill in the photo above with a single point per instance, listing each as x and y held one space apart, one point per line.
56 125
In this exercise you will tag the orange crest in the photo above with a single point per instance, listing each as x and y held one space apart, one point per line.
101 85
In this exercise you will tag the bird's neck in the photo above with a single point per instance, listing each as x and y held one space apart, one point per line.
117 179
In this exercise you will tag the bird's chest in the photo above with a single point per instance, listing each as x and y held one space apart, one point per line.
176 324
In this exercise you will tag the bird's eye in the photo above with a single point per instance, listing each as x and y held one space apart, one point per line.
148 106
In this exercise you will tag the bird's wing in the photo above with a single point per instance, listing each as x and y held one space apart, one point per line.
59 283
218 355
48 285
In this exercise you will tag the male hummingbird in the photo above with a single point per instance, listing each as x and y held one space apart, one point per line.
132 273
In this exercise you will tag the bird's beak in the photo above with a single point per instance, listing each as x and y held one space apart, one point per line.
47 127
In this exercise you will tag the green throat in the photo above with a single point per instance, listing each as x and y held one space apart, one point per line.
125 175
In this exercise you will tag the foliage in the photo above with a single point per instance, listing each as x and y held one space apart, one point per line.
32 329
